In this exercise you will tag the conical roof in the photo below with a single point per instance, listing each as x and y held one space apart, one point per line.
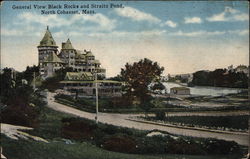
47 39
52 58
67 45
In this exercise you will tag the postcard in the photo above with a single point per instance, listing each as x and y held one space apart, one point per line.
124 79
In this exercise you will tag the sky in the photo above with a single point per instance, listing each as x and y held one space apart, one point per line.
181 36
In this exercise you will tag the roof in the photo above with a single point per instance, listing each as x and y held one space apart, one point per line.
89 53
93 81
79 55
52 58
67 45
180 88
47 39
97 61
78 76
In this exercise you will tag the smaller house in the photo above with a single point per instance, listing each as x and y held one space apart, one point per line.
83 83
179 91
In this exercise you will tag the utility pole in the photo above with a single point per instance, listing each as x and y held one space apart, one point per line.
96 97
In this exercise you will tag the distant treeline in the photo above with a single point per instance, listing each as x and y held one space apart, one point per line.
220 78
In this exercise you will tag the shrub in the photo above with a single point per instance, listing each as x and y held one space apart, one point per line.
110 129
215 146
75 128
121 102
120 144
20 115
160 115
181 146
155 144
66 97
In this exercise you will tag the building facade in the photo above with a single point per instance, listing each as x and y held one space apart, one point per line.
84 85
50 59
84 69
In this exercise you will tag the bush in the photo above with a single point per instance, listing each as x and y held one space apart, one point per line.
215 146
181 146
150 145
120 144
75 128
62 96
160 115
23 108
128 140
121 102
20 115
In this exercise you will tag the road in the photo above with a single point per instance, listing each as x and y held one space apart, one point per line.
121 120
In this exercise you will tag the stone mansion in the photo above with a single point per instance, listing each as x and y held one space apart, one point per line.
83 66
51 59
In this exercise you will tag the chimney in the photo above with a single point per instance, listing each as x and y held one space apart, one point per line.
63 45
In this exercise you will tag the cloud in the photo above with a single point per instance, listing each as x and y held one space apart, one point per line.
51 20
11 32
104 22
188 20
239 32
136 15
99 20
127 34
170 24
207 33
229 14
197 33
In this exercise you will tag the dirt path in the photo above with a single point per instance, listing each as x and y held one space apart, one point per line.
121 120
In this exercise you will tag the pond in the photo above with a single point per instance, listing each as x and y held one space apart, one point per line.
204 90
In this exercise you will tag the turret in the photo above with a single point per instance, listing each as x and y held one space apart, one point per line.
46 47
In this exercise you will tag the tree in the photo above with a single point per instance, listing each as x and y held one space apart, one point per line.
21 103
53 83
157 87
138 76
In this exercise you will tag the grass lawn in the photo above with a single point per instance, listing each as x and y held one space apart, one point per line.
23 149
50 129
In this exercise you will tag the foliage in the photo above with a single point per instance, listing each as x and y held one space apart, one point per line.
134 141
58 149
28 74
182 146
220 78
53 83
50 129
75 128
234 122
157 87
22 103
160 115
116 78
215 146
177 78
124 144
138 76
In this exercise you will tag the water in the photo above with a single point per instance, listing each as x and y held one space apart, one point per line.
204 90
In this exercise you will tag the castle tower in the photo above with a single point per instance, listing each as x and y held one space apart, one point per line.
47 47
